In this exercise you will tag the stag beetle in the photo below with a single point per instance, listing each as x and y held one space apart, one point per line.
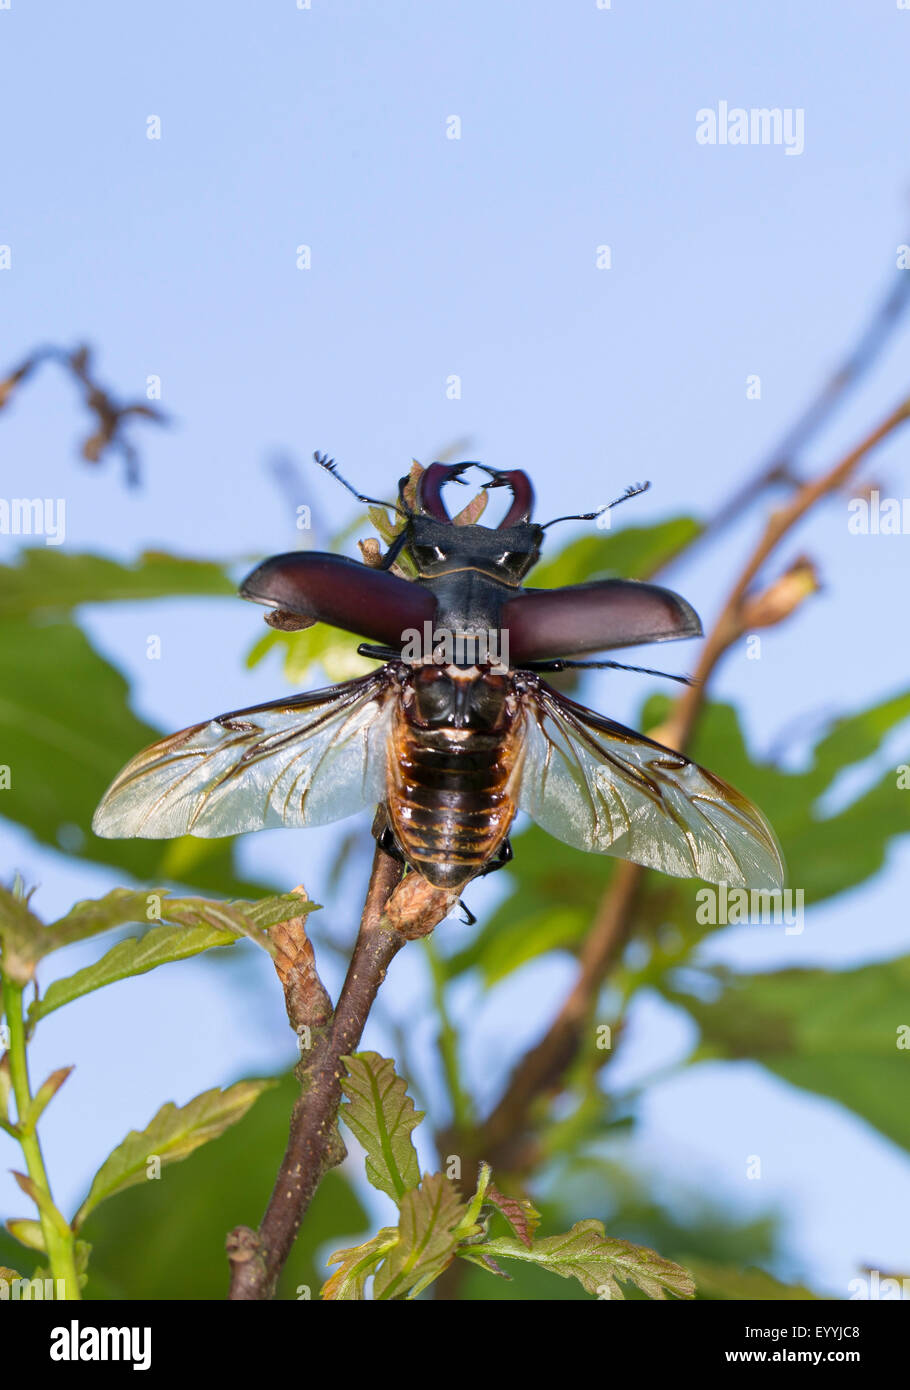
449 740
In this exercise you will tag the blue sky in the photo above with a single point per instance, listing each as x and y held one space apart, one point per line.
475 257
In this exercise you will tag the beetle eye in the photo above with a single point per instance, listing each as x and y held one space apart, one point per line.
428 554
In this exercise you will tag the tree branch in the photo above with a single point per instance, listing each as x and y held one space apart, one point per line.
396 910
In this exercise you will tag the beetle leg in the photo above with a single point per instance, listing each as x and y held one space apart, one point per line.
393 551
504 855
378 653
386 841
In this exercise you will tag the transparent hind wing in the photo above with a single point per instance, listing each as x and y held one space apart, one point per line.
604 788
306 761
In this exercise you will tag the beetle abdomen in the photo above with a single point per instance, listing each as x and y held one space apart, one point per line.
451 799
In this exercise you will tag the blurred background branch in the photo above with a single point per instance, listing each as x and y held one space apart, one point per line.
109 434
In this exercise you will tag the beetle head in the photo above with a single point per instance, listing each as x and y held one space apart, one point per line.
505 552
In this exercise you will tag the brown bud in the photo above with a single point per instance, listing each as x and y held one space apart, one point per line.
782 597
416 907
371 552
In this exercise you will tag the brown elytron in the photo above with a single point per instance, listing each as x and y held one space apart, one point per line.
454 768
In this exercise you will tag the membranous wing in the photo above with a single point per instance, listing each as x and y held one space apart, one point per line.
604 788
305 761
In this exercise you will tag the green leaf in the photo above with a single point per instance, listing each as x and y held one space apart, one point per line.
634 552
29 1233
597 1261
173 1134
123 906
160 946
42 1199
381 1115
322 646
198 925
66 752
427 1239
838 1033
95 915
854 737
165 1239
46 578
357 1264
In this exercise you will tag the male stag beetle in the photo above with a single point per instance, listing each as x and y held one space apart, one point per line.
453 734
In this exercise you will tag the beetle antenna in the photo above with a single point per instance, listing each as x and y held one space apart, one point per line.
634 491
329 465
562 664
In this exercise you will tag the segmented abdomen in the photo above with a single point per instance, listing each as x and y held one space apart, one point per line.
451 799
